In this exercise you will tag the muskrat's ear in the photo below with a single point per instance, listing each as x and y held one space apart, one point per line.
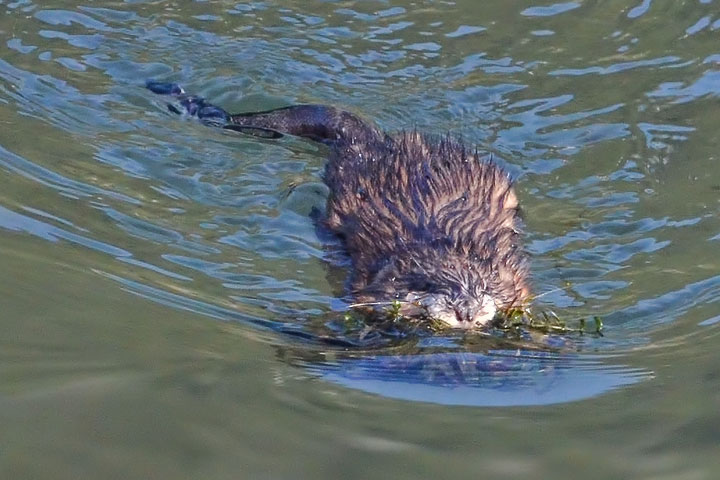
387 272
510 201
254 131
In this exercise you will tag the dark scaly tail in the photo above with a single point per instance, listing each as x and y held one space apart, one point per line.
192 104
206 112
320 123
163 88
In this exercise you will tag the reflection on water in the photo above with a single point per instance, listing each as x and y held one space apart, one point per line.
499 378
603 112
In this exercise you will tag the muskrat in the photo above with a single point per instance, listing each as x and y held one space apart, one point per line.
426 222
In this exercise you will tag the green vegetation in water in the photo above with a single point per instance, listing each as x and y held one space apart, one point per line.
545 322
393 311
515 320
392 314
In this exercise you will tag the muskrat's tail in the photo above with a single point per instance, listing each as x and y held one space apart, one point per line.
191 104
320 123
208 113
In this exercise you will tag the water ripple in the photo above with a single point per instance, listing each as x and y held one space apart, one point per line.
550 10
679 92
619 67
67 186
611 137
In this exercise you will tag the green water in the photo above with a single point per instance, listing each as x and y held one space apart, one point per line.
168 310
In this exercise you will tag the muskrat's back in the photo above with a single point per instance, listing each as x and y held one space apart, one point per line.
429 223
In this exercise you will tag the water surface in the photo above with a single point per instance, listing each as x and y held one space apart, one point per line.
169 310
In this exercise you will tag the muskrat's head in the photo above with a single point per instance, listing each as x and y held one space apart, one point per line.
460 289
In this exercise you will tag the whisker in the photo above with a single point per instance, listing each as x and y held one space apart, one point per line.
550 291
369 304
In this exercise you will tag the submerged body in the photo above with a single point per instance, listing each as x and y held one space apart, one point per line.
425 222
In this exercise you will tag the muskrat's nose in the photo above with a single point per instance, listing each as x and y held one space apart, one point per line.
483 313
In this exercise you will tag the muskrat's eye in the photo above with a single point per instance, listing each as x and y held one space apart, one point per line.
421 285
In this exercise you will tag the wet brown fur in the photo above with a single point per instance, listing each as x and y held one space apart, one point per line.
426 206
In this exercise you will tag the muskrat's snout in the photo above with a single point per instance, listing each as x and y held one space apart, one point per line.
457 312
